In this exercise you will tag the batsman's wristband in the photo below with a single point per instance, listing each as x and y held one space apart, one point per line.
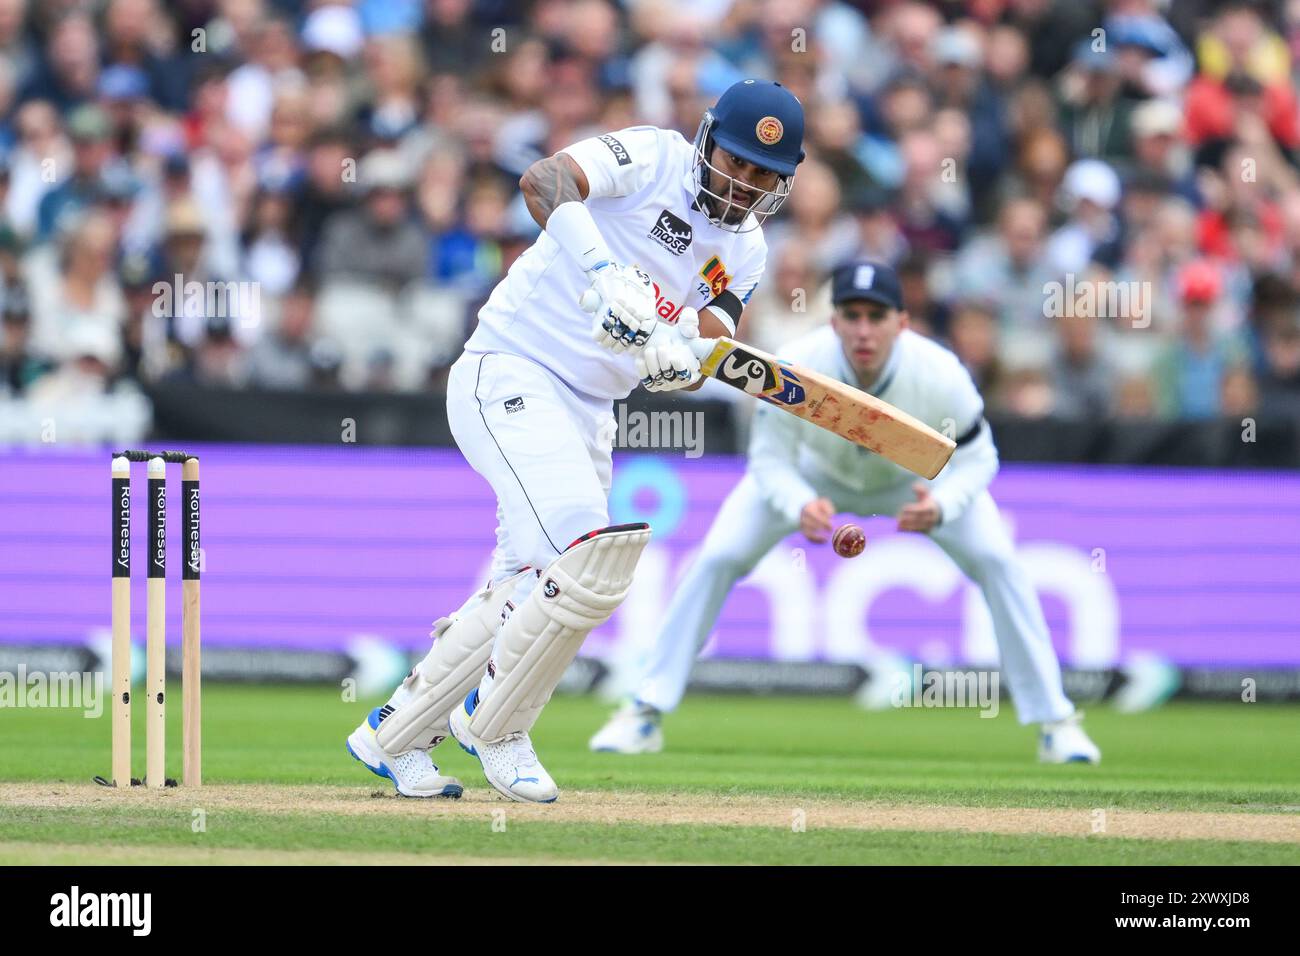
571 226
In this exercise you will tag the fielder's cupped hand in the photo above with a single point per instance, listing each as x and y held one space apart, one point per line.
815 520
667 361
923 514
623 302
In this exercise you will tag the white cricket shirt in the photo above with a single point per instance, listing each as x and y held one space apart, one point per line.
790 457
642 199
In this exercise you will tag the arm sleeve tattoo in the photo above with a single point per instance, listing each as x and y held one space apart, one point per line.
547 184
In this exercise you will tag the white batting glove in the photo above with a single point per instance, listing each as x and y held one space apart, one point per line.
623 302
667 362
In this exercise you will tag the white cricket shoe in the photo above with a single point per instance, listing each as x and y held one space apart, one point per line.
510 764
1064 741
414 774
633 729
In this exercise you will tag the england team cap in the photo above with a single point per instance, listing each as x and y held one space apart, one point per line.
863 279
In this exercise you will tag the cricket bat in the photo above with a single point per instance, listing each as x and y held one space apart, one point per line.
828 403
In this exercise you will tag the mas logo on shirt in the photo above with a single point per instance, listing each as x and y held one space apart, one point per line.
515 404
617 149
672 233
715 274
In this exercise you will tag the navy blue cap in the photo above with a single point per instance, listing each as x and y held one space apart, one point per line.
864 279
762 122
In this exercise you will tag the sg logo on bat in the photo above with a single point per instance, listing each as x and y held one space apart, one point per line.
753 375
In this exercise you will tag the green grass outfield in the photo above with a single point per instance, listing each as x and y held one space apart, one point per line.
772 756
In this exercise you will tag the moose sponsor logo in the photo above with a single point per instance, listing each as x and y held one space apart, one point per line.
671 232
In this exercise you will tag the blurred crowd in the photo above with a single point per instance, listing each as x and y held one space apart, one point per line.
1094 204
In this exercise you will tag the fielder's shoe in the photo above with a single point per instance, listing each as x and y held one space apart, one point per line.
633 729
414 774
510 764
1064 741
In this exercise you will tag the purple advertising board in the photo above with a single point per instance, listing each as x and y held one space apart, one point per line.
312 548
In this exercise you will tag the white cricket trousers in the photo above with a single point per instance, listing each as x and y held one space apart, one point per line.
544 449
540 447
746 528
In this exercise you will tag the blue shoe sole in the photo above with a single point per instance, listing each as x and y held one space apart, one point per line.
381 771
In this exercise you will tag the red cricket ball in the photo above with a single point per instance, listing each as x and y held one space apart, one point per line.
848 541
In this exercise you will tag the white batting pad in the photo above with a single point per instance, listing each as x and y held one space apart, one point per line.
448 672
577 593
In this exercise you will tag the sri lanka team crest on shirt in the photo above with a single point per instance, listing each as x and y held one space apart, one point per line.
715 274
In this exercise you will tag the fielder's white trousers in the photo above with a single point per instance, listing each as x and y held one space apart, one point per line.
746 528
544 449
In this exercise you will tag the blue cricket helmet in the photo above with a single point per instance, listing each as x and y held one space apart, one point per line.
761 122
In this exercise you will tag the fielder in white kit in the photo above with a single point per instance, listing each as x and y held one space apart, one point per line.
800 476
661 240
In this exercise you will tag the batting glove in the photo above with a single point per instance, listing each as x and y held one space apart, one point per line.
623 302
667 361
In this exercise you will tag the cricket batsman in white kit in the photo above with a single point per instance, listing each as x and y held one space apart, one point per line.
800 476
661 241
